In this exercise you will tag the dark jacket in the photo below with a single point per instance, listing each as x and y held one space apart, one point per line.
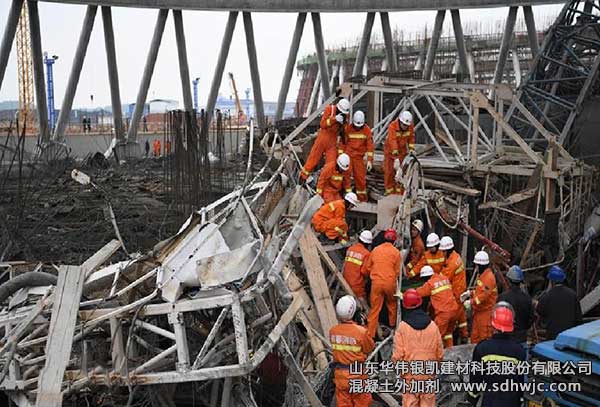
523 307
416 318
499 348
559 310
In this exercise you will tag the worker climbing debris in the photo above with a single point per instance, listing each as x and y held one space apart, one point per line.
399 143
482 298
335 179
358 143
433 257
417 247
354 270
326 145
383 268
454 270
330 219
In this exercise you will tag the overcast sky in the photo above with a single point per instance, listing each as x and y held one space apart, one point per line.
60 25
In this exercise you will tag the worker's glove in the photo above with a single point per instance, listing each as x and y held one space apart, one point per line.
399 175
343 242
472 398
397 164
465 296
339 118
369 166
467 305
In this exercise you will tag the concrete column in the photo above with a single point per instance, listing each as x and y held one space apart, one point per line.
140 101
38 70
390 55
516 67
314 94
113 73
82 45
184 70
319 44
218 76
289 66
433 44
361 55
460 41
506 43
9 34
531 31
259 107
471 62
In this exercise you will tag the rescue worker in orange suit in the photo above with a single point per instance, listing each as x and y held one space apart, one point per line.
330 219
383 268
354 265
350 343
399 142
333 178
416 339
417 247
358 142
433 257
454 269
482 299
332 122
445 307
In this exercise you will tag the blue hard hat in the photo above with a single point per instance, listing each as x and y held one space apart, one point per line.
556 274
515 274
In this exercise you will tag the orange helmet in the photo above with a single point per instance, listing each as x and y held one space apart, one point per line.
503 318
411 299
390 235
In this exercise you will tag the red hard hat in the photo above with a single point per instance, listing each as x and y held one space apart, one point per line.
411 299
503 319
390 235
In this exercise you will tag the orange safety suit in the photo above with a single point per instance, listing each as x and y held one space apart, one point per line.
434 260
483 299
331 181
326 142
354 270
350 343
397 145
383 267
357 143
330 220
454 269
412 345
417 249
445 307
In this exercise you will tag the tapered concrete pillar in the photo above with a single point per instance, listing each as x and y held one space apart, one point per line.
509 28
82 45
140 101
38 71
113 73
9 34
184 70
314 94
390 55
516 67
531 31
320 46
460 41
259 107
361 55
289 65
433 44
218 76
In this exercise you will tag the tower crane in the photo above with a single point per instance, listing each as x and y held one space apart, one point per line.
25 70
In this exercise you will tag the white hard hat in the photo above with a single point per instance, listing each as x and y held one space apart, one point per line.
406 118
446 243
352 198
345 308
418 224
481 258
358 120
343 161
366 237
432 240
426 271
344 106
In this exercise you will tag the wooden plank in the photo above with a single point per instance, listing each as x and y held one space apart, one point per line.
330 264
60 335
100 257
317 282
451 187
510 200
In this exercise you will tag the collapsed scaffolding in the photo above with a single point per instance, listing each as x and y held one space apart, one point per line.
246 281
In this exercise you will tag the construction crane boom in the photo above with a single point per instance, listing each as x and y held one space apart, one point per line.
238 105
25 70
